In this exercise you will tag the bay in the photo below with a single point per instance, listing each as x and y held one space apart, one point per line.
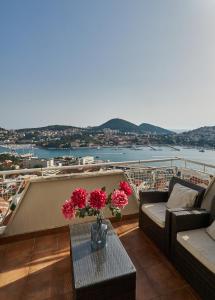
122 154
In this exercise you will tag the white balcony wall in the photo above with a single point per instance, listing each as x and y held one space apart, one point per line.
40 205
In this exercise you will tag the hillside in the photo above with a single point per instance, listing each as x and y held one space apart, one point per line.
119 124
114 124
203 136
126 126
148 128
206 130
50 127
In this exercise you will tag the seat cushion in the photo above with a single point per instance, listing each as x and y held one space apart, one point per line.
200 245
211 230
156 212
181 196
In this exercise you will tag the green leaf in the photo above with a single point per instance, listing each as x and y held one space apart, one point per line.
118 215
82 213
90 212
109 198
13 206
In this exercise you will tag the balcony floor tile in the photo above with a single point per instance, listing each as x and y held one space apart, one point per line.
40 268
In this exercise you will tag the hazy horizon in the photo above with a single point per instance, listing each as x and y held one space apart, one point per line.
83 63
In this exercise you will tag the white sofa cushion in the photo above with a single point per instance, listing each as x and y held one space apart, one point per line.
181 196
211 230
2 229
209 195
200 245
156 212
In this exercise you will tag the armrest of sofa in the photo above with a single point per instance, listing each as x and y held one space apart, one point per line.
189 219
153 196
168 223
168 216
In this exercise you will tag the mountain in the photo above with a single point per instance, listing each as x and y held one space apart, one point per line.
119 124
114 124
148 128
125 126
203 136
202 131
50 127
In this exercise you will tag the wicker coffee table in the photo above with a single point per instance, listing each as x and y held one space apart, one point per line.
107 273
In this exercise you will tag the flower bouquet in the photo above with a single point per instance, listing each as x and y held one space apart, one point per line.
83 203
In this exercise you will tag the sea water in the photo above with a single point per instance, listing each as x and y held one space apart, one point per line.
123 154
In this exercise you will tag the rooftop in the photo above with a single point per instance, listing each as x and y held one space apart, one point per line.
40 268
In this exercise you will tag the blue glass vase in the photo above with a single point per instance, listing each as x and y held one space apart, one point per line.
98 234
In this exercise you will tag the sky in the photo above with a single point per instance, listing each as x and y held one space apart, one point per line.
84 62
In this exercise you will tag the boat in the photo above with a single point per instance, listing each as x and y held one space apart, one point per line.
26 155
134 147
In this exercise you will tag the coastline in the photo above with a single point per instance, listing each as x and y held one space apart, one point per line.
115 154
133 147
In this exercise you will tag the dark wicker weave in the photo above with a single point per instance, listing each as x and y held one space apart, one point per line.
202 279
107 273
161 236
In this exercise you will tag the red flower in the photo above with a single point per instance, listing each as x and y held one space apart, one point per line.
119 199
79 198
98 199
124 186
68 209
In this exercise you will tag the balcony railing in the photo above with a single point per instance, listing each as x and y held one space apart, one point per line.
152 174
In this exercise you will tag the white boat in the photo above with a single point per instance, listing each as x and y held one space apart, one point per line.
26 155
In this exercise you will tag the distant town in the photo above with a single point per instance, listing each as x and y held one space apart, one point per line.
114 133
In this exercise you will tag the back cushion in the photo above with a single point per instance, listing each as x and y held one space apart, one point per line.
209 196
188 184
181 196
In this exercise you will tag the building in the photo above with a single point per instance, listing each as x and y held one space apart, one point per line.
86 160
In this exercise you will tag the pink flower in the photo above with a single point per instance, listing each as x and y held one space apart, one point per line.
68 209
119 199
124 186
98 199
79 198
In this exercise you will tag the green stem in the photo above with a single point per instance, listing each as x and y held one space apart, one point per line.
99 218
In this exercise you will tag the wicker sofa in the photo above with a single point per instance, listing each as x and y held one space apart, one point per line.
193 249
155 218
